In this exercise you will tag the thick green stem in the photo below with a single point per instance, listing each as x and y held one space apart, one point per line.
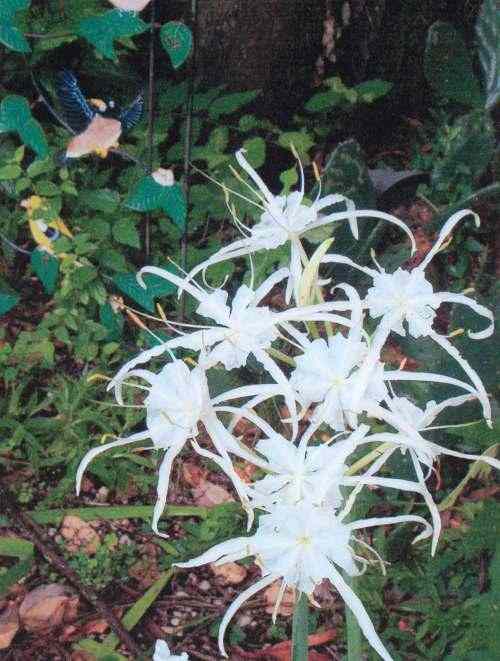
300 629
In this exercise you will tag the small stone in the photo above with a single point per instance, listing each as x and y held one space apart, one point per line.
9 625
204 586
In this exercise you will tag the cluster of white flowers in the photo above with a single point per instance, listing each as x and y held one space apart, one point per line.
328 371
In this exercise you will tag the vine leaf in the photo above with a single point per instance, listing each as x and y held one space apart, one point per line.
101 31
177 40
155 287
448 66
10 35
488 40
46 267
150 195
15 115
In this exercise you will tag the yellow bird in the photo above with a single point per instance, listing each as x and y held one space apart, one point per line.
43 233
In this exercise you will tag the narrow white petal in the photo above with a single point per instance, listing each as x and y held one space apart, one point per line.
263 290
443 234
432 412
471 373
389 521
163 484
341 259
449 297
239 546
245 165
91 454
237 603
354 603
434 512
174 279
401 375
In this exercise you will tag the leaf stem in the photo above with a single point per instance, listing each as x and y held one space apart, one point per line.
300 628
188 145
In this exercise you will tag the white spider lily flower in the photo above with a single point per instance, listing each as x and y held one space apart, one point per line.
410 421
328 373
408 297
178 400
162 653
302 545
288 219
241 329
313 473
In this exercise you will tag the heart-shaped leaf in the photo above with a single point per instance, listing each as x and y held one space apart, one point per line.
101 31
488 40
10 35
15 115
177 40
46 267
448 66
155 287
149 195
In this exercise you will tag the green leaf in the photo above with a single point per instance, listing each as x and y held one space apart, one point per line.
346 173
104 199
155 287
229 103
7 301
10 35
14 547
125 231
302 142
11 171
371 90
149 195
101 31
112 322
177 39
15 115
488 41
46 267
469 150
256 151
448 66
289 178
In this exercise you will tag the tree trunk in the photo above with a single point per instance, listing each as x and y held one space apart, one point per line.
270 45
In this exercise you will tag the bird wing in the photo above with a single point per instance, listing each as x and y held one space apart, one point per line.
131 115
77 111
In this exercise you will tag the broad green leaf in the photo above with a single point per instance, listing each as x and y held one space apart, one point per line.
256 151
15 115
112 322
488 41
11 171
289 178
101 31
448 66
125 231
229 103
469 149
104 199
7 301
10 35
177 40
46 267
371 90
302 142
155 287
149 195
345 172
